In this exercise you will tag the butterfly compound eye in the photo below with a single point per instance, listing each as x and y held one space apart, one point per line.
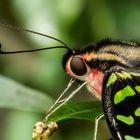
78 66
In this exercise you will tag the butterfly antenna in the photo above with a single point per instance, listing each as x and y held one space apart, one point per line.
33 32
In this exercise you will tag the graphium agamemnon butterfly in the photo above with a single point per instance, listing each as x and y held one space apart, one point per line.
111 70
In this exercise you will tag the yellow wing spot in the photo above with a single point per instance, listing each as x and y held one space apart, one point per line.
122 94
137 111
137 88
111 79
125 75
125 119
127 137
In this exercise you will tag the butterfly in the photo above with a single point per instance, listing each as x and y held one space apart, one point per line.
111 71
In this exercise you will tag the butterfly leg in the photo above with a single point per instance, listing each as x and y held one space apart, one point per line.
63 100
62 94
66 100
97 119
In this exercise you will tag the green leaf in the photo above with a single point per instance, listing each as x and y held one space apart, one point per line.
77 110
16 96
71 110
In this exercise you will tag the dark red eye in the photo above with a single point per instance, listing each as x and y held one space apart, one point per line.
78 66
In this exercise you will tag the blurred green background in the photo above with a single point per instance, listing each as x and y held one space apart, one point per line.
76 22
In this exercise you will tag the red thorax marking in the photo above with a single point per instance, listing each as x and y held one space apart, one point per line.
95 79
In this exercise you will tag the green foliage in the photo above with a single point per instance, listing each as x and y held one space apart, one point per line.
77 110
16 96
22 98
71 110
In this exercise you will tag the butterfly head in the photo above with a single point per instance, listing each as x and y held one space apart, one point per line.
77 64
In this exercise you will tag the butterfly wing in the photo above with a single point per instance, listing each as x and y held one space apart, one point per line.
121 104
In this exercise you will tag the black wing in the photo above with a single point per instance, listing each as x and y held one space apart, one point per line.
121 104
